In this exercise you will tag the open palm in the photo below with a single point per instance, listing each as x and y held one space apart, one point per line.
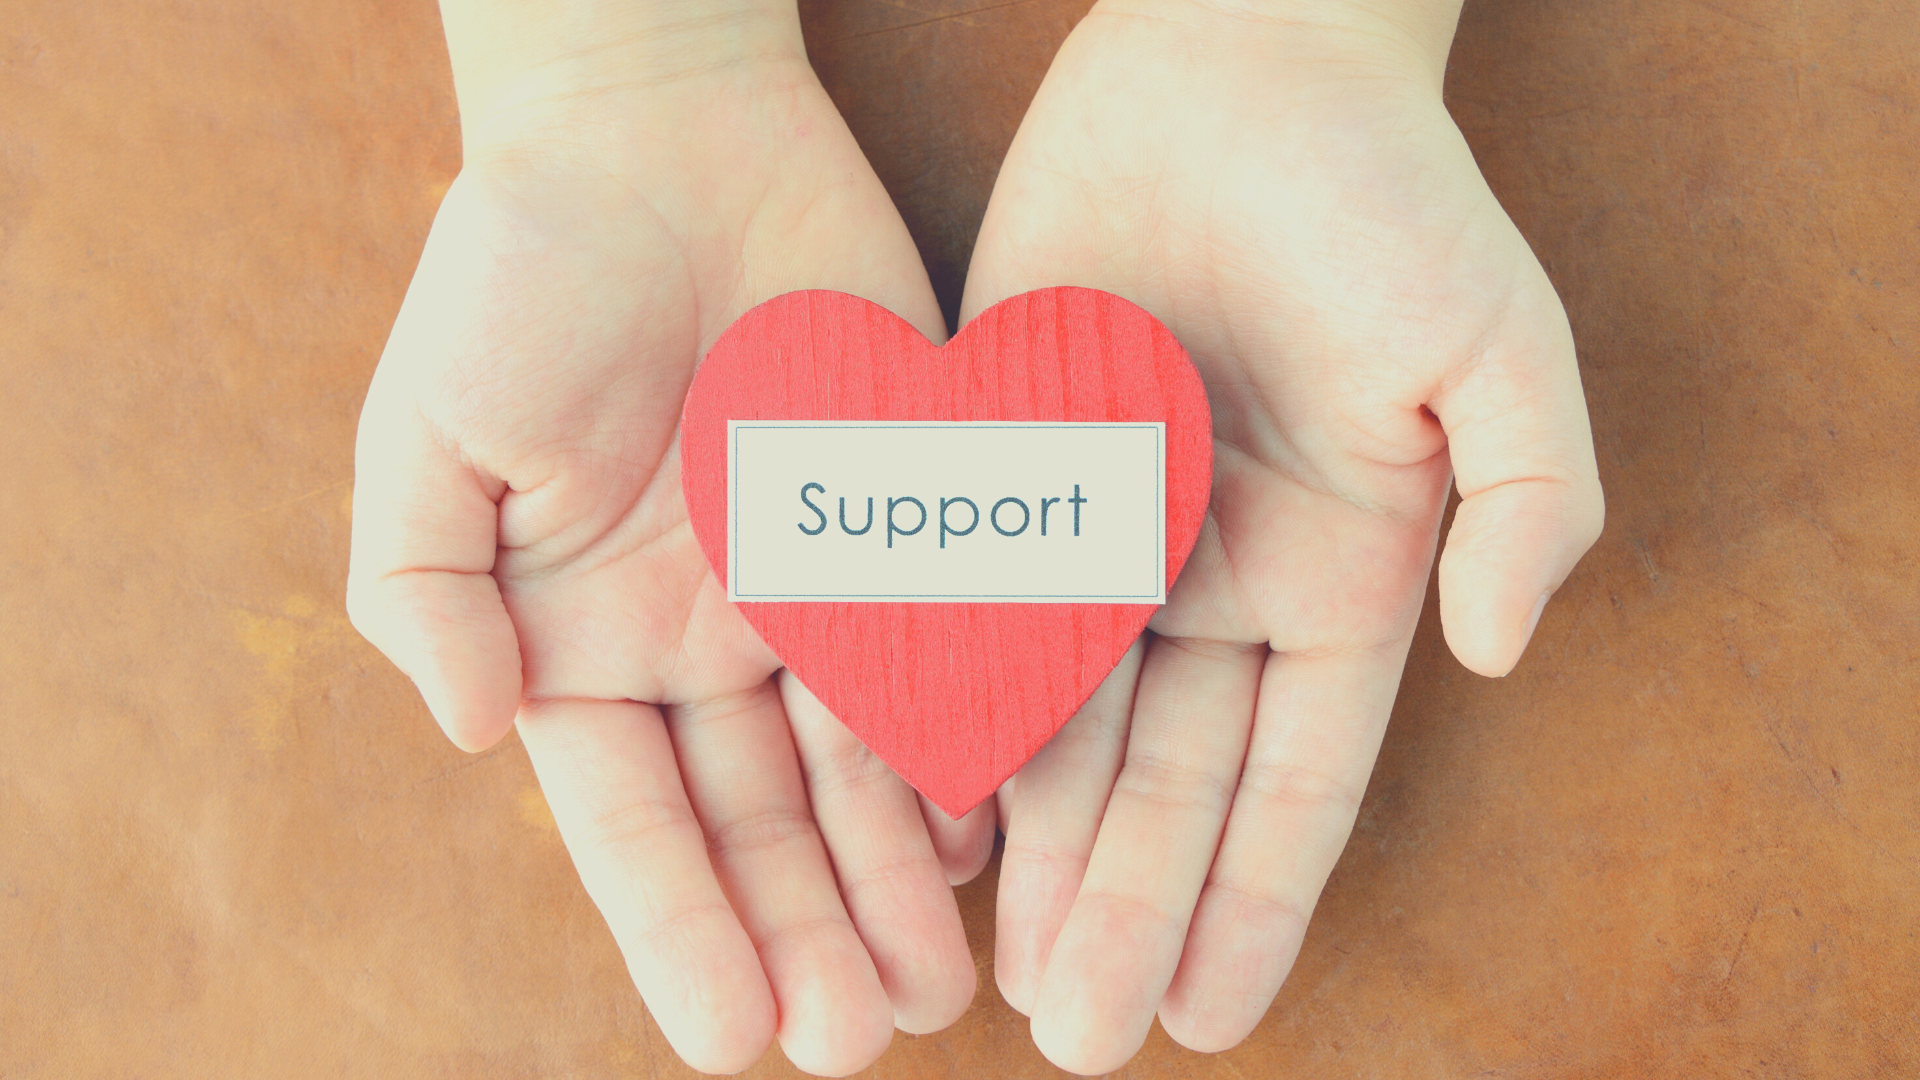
521 550
1370 327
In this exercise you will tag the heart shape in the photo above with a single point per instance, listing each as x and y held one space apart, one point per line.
955 697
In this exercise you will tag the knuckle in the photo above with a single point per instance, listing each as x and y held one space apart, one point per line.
767 829
798 934
1091 730
886 874
845 768
1045 854
631 833
676 932
1162 781
1112 908
723 708
1265 905
1293 790
1212 651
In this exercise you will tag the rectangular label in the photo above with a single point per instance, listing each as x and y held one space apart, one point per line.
924 511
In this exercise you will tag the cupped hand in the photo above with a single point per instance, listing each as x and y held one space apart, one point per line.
1293 201
521 548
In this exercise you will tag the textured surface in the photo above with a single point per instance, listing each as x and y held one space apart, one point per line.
1680 841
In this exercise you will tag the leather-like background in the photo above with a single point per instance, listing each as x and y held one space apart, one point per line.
1682 840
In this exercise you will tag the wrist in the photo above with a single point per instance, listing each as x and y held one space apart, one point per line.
1316 39
519 67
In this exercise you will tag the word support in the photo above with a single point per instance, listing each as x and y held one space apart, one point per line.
947 528
946 511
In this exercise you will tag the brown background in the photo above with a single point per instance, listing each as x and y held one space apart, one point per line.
1680 841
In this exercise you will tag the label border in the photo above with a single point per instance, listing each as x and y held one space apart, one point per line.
1159 428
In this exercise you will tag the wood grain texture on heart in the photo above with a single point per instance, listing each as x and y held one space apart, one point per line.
954 696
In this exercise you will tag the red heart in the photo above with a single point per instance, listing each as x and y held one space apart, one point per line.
954 696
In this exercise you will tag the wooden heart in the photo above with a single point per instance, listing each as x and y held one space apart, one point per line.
955 696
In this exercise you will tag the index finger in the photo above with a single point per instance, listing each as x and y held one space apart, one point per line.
611 778
1317 728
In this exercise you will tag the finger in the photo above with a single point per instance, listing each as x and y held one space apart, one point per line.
609 775
890 879
420 584
1530 500
743 780
1316 733
1053 808
964 846
1115 955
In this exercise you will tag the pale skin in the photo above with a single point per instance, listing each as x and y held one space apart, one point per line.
1286 194
1283 189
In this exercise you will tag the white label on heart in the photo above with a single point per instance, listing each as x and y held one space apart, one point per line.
945 512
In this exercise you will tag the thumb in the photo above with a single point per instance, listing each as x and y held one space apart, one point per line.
420 585
1530 501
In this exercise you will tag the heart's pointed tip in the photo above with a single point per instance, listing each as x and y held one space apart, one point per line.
957 803
955 810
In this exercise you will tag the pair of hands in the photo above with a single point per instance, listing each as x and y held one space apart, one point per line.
1289 197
